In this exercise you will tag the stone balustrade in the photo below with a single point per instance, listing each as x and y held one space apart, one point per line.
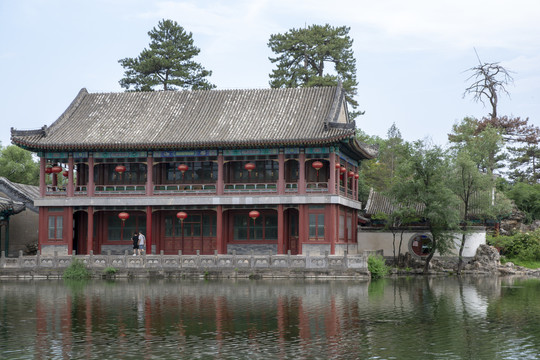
355 264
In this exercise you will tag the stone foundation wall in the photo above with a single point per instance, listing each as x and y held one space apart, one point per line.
353 266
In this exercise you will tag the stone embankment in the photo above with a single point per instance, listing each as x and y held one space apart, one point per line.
486 261
180 266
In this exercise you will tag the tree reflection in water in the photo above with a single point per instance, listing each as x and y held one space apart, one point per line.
404 318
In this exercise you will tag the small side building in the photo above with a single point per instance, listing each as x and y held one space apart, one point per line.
415 237
19 217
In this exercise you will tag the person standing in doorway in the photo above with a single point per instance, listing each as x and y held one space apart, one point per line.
142 243
135 239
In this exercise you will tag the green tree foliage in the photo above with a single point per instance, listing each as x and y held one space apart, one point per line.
168 63
473 189
381 173
484 144
17 165
424 186
527 198
524 163
303 56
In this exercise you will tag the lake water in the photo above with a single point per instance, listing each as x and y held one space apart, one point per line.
405 318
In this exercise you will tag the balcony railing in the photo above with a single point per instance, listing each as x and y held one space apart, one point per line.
185 189
251 188
56 190
291 187
119 189
80 190
194 189
316 187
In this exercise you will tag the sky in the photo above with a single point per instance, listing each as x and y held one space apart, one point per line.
412 57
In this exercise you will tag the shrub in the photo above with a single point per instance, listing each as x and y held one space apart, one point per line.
110 270
521 246
377 267
76 271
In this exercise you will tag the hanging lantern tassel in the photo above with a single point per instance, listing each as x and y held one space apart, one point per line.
120 169
249 167
123 216
183 168
254 214
317 165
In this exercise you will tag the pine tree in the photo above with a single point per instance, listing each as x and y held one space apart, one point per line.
167 64
304 53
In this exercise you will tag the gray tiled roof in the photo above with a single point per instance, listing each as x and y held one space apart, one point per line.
195 119
10 207
22 193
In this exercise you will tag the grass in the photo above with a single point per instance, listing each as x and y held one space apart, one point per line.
524 263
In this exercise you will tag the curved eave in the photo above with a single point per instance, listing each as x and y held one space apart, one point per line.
362 150
36 147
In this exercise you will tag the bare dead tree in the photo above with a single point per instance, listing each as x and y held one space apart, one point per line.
488 81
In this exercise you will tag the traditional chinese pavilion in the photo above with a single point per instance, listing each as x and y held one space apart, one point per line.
269 170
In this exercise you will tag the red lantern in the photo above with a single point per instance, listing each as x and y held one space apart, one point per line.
342 169
120 169
48 170
56 169
181 215
351 174
338 166
65 173
123 216
249 167
317 165
183 168
356 176
254 214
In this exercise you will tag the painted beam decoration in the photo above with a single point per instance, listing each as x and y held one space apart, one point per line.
185 153
245 152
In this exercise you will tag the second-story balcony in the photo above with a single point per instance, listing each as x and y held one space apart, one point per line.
185 177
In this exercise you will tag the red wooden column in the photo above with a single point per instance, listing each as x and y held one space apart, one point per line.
69 229
281 230
90 186
281 173
149 179
332 173
331 226
90 230
355 227
220 176
70 185
220 241
43 228
303 227
301 173
149 230
42 185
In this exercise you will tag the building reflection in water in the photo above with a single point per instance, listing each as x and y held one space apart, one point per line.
220 319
